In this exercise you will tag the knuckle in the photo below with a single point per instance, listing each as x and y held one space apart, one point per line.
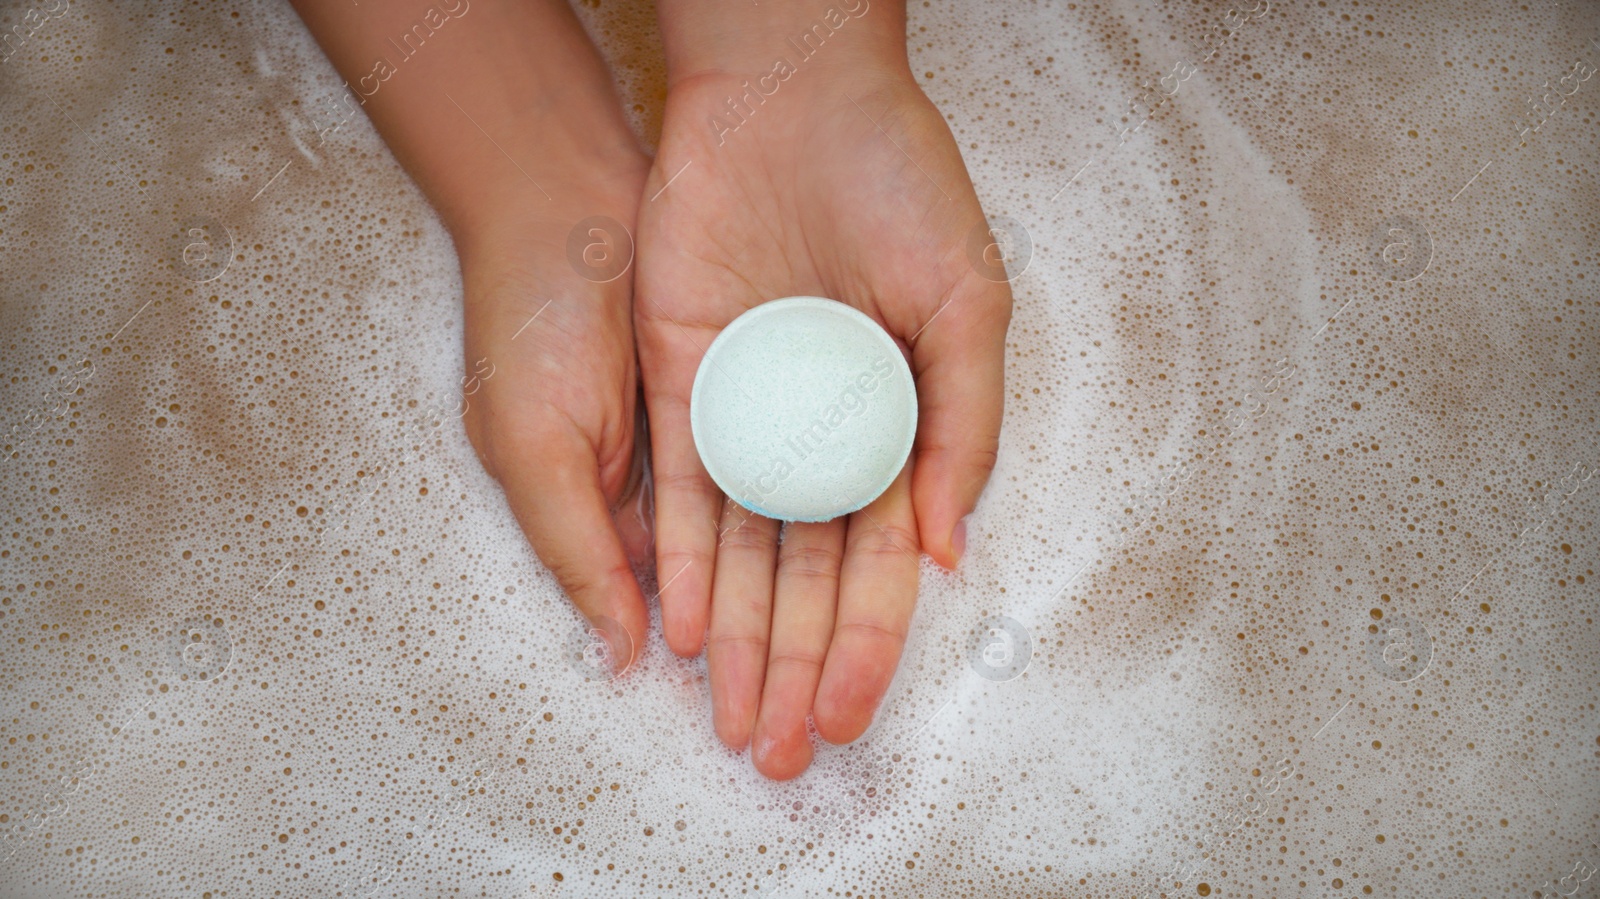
983 458
885 540
683 482
671 560
802 661
581 578
722 641
875 631
690 480
980 456
749 536
810 562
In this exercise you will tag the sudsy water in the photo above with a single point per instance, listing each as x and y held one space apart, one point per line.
1284 584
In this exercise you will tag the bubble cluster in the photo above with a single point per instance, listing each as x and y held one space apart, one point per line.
1283 583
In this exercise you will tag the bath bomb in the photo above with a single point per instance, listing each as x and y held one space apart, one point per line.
803 409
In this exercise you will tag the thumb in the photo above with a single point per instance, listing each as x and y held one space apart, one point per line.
555 493
959 361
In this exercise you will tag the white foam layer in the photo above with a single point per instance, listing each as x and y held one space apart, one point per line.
1287 503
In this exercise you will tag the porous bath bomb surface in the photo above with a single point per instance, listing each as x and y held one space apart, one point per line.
803 409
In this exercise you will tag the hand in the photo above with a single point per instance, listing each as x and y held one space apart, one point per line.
843 183
555 423
510 125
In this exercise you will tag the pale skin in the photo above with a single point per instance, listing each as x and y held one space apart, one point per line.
844 183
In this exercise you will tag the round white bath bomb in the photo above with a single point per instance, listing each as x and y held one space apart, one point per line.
803 409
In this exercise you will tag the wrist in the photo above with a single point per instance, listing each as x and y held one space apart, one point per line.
522 227
778 40
574 179
503 113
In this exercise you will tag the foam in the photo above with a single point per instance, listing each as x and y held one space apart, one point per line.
387 701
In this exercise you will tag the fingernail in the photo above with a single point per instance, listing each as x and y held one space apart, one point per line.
959 538
618 643
621 651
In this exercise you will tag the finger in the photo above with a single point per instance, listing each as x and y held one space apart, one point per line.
807 592
556 496
741 621
877 594
959 359
688 508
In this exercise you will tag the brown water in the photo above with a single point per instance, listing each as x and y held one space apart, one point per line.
1293 521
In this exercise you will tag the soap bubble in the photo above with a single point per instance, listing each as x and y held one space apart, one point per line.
589 648
1398 648
599 248
200 648
1000 649
999 249
201 249
1401 248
